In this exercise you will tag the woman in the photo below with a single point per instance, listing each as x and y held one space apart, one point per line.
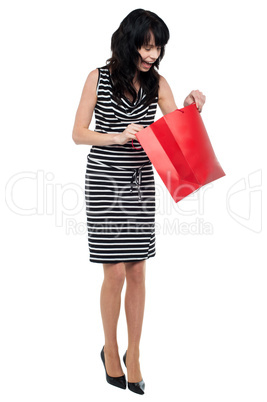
120 187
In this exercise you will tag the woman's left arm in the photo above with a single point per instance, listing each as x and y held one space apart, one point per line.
166 99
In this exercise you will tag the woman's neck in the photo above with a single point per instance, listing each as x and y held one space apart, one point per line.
136 81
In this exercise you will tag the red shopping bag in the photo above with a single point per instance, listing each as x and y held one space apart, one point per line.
179 148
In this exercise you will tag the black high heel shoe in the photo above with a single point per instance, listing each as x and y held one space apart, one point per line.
137 387
116 381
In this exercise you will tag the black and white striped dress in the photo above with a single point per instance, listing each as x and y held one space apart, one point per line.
119 183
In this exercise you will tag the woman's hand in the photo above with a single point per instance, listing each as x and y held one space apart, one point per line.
197 97
128 134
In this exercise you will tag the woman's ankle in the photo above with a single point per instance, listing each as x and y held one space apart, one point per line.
111 349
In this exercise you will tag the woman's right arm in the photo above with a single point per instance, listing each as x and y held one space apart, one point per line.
81 134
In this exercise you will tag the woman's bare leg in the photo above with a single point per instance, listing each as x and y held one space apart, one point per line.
110 302
134 309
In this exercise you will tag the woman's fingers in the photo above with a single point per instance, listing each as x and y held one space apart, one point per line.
133 129
136 127
130 133
195 96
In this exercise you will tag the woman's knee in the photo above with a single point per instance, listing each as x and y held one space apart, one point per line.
135 271
115 274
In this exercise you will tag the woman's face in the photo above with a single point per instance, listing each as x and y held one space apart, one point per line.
149 54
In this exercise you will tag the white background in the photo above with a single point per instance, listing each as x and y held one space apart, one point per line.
204 334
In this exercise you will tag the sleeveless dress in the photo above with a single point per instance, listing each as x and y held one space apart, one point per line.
119 182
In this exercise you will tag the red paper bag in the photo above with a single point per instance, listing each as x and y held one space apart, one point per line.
179 148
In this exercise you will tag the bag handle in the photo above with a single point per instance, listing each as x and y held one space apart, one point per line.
136 148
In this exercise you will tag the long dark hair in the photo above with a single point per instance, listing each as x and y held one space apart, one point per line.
134 32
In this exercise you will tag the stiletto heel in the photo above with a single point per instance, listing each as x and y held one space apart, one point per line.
116 381
137 387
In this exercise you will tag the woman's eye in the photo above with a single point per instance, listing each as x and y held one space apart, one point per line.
149 48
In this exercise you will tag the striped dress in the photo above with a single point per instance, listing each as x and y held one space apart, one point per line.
119 183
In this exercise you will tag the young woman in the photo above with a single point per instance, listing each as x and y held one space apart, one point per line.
119 180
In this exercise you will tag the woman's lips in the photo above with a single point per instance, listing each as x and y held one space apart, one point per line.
147 65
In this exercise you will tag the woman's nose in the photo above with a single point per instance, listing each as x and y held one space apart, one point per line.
154 53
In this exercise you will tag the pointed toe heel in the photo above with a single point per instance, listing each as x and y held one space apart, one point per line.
119 382
137 387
